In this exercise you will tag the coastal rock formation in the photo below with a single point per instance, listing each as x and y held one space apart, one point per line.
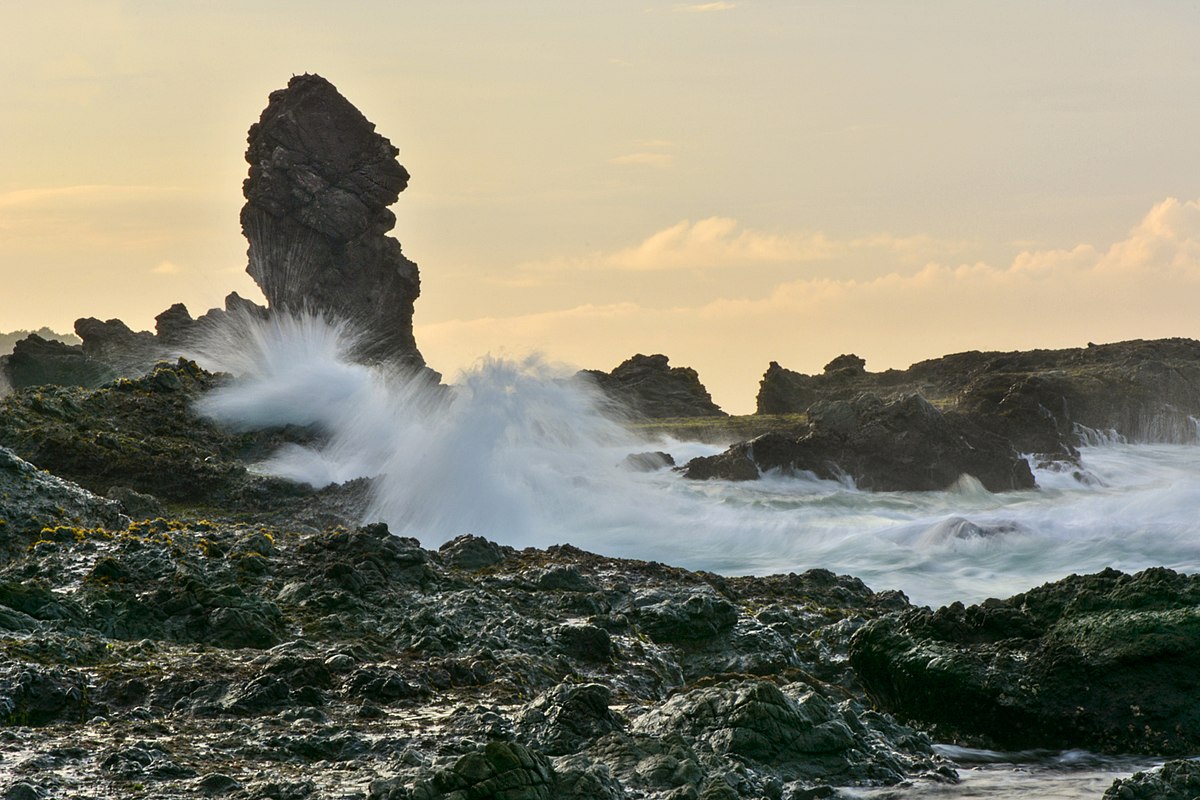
1175 780
113 342
316 218
905 444
648 386
1104 662
33 500
329 652
1043 401
36 362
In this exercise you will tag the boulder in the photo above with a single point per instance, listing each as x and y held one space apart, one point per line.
501 771
902 445
36 361
782 391
174 325
34 500
798 734
114 343
1105 662
1175 780
316 218
648 386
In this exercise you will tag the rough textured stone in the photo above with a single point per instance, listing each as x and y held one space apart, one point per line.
648 386
905 444
1147 391
36 362
316 218
1175 780
1105 661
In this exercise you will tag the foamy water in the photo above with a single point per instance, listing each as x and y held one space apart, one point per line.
520 453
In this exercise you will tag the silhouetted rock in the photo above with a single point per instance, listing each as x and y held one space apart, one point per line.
316 214
782 391
114 343
36 361
847 365
173 325
1105 662
648 386
648 462
1044 401
906 444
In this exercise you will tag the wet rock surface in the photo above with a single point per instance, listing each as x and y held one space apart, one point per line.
1175 780
1105 662
1146 391
189 657
648 386
144 438
904 444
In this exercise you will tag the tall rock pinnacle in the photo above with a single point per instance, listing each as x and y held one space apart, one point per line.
316 217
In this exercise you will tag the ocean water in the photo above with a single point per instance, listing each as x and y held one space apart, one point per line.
522 454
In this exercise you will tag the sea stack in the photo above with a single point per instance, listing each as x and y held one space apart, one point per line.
316 218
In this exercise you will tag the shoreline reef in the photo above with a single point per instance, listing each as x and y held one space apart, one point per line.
175 624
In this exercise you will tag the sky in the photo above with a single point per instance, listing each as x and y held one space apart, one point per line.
728 183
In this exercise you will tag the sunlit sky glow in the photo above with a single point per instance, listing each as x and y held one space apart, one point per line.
729 183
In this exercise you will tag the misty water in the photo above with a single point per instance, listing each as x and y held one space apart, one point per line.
522 454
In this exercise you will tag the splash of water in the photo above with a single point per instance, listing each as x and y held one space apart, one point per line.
520 453
514 451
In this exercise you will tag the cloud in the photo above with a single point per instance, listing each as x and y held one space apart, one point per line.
1143 285
722 243
167 268
701 8
645 159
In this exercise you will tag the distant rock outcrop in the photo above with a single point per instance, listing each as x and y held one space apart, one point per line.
648 386
36 361
1146 391
906 444
316 218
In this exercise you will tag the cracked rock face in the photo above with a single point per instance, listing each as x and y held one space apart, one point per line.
316 218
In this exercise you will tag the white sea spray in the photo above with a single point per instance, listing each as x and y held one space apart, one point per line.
521 453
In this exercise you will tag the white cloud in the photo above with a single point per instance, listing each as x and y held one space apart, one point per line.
701 8
1141 286
167 268
722 242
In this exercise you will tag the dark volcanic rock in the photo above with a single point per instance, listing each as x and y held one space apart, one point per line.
33 500
1105 661
782 391
648 386
503 770
36 361
1143 390
1175 780
116 344
906 444
567 718
316 217
173 325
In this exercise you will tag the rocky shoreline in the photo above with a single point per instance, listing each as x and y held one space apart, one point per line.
190 628
174 624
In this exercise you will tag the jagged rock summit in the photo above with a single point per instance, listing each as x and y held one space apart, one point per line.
648 386
316 217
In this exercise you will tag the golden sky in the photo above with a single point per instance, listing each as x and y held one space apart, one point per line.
728 183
